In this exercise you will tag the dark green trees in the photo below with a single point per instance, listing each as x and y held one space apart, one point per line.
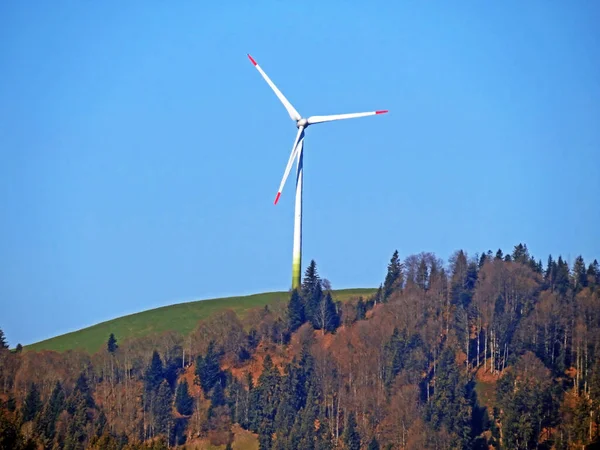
32 404
3 343
111 345
184 402
295 312
394 278
208 371
350 436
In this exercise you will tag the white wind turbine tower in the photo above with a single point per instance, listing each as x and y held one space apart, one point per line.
296 154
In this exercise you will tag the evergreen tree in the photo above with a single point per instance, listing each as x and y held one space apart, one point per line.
326 317
184 402
350 436
3 343
296 316
482 260
82 388
373 445
361 309
162 408
32 404
580 279
521 254
154 374
112 344
499 254
394 278
562 276
76 430
207 369
46 423
312 291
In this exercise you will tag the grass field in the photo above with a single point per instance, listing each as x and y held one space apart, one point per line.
181 317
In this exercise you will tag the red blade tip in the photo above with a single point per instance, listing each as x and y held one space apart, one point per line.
383 111
251 59
277 198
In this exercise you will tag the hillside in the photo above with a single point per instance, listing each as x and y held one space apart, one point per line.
180 317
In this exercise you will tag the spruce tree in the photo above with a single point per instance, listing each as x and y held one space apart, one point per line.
350 436
32 404
162 408
499 254
373 445
208 369
361 309
112 344
394 278
312 291
3 343
154 374
46 423
296 316
184 402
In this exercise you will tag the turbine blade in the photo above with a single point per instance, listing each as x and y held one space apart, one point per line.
299 136
319 119
290 109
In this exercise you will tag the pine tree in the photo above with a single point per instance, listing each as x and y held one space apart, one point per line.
3 343
326 317
521 254
351 437
394 278
46 423
499 254
32 404
312 290
162 408
296 316
184 402
361 309
208 369
373 445
154 374
580 280
112 344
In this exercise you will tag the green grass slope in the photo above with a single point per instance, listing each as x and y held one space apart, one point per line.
181 317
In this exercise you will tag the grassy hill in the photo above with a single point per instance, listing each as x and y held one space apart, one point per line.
181 317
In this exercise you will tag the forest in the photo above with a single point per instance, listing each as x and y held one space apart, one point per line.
482 351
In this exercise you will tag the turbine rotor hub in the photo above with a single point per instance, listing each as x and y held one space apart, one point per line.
302 123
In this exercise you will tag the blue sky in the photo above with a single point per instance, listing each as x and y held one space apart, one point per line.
141 151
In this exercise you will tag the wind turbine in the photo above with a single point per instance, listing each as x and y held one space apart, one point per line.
301 124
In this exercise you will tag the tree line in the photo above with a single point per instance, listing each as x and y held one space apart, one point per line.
494 350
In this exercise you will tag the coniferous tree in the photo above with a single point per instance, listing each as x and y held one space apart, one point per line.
162 408
3 343
296 316
82 387
184 402
46 423
208 369
312 291
32 404
499 254
111 345
394 278
154 374
361 309
580 279
350 436
326 317
373 445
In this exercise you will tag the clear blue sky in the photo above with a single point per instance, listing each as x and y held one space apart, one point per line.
141 151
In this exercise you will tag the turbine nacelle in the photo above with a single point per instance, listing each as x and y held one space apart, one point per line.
302 123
